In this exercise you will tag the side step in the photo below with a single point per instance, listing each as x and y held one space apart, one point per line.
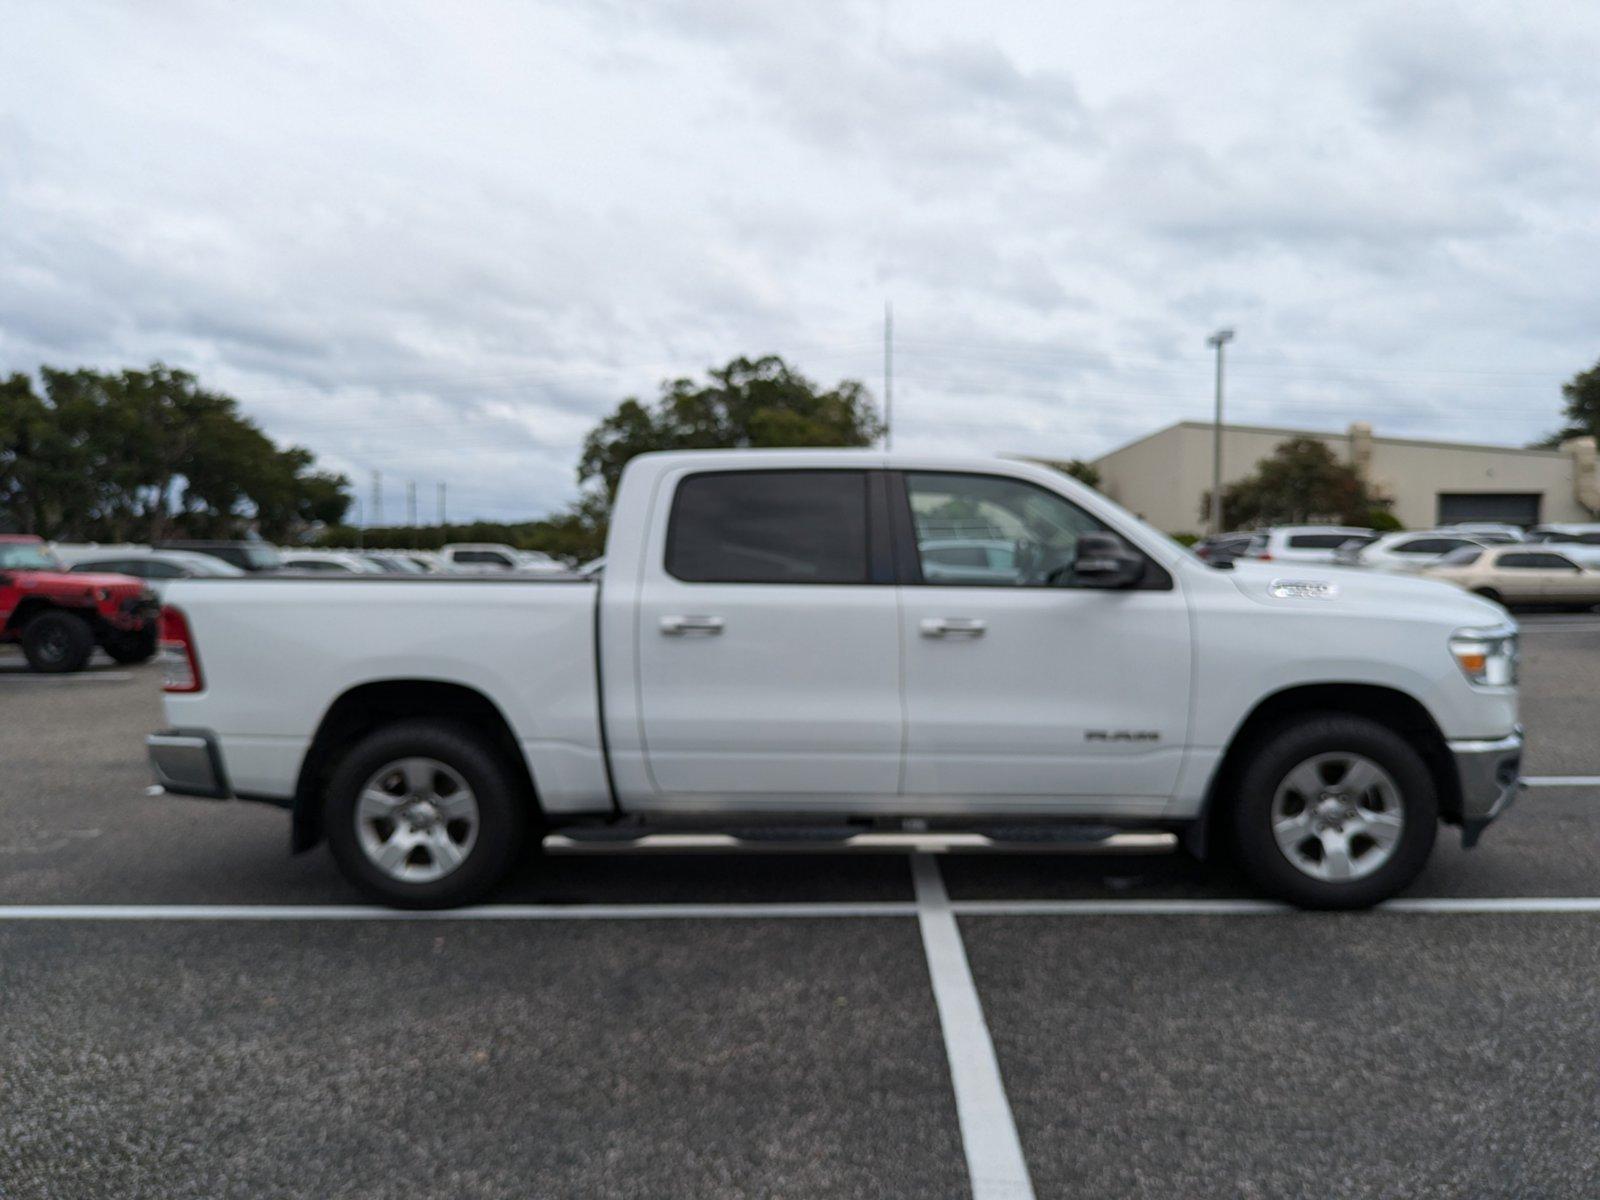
825 839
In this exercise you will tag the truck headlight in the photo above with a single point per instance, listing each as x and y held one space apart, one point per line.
1487 657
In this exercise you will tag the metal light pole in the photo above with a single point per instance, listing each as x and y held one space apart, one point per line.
888 374
1219 339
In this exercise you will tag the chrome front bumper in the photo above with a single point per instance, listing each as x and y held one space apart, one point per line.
1491 775
187 763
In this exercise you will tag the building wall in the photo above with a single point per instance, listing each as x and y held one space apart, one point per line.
1163 477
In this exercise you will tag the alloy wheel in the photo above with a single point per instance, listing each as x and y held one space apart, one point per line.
1338 816
416 819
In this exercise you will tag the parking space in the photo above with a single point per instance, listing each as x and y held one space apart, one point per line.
747 1052
752 1058
1328 1056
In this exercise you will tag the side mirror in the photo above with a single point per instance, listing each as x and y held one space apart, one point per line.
1105 561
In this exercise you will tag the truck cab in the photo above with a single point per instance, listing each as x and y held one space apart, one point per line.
846 640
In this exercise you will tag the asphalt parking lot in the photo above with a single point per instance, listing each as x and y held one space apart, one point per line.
769 1024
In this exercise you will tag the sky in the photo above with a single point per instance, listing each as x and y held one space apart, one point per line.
441 240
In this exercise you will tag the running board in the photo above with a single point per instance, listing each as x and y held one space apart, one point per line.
1064 839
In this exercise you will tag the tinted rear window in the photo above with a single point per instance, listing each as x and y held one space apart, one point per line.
770 527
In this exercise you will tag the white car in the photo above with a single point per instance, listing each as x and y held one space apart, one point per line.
1409 551
479 557
157 568
771 655
1304 543
330 562
1497 533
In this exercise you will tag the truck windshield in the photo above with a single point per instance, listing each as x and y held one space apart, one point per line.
27 556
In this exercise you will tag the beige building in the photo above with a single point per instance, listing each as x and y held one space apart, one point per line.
1164 476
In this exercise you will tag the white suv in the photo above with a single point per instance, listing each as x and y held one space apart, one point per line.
1304 543
1410 551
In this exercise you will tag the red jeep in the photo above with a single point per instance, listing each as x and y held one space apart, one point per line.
59 618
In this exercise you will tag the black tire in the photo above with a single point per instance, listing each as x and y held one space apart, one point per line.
57 642
1488 593
503 812
1289 746
133 646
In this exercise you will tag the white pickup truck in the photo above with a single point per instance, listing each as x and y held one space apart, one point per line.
818 643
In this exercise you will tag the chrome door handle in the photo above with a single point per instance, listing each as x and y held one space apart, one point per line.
686 626
938 627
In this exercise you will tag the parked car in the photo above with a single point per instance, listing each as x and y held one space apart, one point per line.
1223 547
334 562
156 567
1529 576
770 653
972 560
1493 532
395 564
493 556
251 556
1304 543
1404 551
1568 534
58 618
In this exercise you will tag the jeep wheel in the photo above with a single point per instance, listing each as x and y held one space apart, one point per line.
425 814
134 645
56 642
1334 811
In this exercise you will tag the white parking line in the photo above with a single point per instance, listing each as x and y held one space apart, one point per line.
995 1166
1198 907
486 912
1539 781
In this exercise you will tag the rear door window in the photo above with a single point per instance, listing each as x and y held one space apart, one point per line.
769 527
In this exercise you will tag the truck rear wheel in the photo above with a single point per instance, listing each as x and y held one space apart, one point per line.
1334 811
425 814
56 642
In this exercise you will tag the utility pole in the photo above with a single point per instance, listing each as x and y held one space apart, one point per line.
377 498
411 503
888 374
441 504
1219 339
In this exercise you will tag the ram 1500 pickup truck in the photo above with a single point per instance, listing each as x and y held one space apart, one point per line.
815 643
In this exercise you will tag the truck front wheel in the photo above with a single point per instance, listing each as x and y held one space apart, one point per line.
425 814
1334 811
56 642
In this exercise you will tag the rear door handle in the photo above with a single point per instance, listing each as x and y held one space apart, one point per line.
938 627
691 626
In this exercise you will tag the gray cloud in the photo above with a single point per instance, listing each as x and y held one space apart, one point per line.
439 242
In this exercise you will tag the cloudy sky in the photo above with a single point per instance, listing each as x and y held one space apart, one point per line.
440 240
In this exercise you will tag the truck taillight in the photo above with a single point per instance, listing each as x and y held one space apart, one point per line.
180 662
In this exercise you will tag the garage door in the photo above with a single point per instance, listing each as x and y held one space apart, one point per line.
1517 508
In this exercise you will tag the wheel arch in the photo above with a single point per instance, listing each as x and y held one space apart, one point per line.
372 705
1388 706
35 606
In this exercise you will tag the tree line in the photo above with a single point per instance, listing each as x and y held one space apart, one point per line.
147 455
748 403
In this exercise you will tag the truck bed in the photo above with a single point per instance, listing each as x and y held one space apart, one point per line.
289 646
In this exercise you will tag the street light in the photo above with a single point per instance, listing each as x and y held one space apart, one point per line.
1219 339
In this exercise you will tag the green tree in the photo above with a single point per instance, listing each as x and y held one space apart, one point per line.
760 402
1083 472
1582 408
142 455
1301 481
